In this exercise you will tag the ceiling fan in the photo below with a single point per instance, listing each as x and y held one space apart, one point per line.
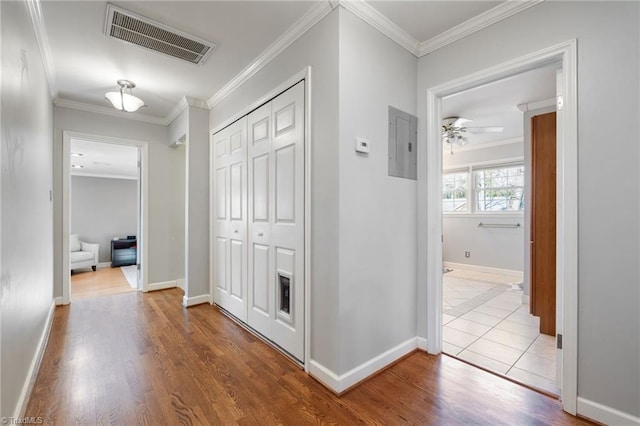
454 131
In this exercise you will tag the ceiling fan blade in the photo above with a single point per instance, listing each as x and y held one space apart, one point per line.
476 130
460 122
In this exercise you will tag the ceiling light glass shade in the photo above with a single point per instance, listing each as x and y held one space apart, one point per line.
123 101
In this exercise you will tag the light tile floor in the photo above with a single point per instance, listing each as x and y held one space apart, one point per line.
486 324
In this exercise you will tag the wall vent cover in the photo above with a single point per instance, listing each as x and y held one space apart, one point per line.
144 32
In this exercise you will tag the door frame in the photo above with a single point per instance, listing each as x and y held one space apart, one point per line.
304 74
430 207
67 136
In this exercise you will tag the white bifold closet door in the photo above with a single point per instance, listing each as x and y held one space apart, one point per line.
230 218
274 194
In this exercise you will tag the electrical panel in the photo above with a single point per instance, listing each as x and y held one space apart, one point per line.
403 138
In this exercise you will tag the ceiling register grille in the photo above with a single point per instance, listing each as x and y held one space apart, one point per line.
127 26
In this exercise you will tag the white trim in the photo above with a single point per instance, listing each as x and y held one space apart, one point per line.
40 30
363 371
324 375
307 218
470 26
430 188
195 300
604 414
81 106
57 301
423 344
32 373
377 20
180 283
480 268
183 103
103 265
308 20
66 188
474 147
532 106
162 285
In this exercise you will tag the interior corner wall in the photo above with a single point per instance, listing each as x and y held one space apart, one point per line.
177 233
608 43
26 294
103 208
378 213
165 197
196 256
317 48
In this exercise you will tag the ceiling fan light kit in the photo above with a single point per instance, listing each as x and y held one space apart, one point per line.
454 131
124 100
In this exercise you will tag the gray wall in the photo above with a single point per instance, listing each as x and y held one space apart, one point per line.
608 92
166 188
197 205
491 247
378 220
27 239
318 48
102 209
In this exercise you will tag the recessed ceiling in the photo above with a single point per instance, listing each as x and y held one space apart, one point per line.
496 104
103 160
424 20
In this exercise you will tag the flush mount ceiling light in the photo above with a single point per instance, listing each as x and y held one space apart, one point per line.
124 99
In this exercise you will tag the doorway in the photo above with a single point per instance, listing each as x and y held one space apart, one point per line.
430 204
487 318
104 216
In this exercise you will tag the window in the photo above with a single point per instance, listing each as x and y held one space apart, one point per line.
495 189
499 188
454 192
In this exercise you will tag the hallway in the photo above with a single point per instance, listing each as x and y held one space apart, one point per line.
136 358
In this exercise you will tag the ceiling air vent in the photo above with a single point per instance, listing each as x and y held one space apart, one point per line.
144 32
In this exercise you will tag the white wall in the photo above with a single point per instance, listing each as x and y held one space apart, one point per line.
608 92
27 240
492 247
102 209
317 48
166 193
378 222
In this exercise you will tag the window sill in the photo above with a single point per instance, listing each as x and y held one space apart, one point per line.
478 215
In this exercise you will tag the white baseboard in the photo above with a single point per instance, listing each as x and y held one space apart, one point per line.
480 268
605 414
58 301
103 265
162 285
196 300
422 343
343 382
324 375
180 283
32 373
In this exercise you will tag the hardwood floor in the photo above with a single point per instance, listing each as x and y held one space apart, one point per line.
105 281
138 358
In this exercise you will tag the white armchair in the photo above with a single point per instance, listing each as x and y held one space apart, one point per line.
83 255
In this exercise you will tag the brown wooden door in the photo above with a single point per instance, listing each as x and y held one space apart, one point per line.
543 221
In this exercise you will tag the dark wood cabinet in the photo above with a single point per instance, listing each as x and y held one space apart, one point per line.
124 252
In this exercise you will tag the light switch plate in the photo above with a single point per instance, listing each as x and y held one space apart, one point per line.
362 145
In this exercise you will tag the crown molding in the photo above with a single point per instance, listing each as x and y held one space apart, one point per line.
530 106
312 17
37 21
470 26
377 20
81 106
